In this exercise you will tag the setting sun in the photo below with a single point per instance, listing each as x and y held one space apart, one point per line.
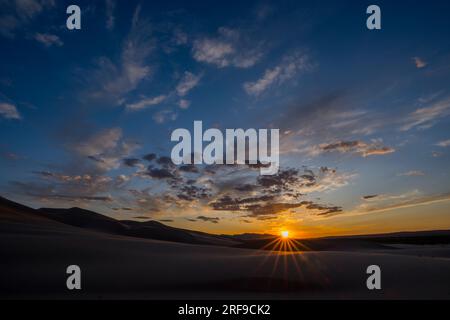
285 234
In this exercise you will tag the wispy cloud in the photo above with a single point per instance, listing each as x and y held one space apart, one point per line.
19 13
187 83
145 103
412 173
228 48
63 188
48 39
424 118
106 149
208 219
444 143
361 148
419 62
184 104
114 80
164 116
110 6
291 66
9 111
386 202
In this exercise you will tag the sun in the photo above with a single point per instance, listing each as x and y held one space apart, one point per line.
285 234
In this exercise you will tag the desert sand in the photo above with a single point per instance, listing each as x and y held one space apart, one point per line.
35 252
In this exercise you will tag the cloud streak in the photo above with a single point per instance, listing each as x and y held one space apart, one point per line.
112 81
229 47
48 40
426 117
187 83
291 66
9 111
361 148
19 13
145 103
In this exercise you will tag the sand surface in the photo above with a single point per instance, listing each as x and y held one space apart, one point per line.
34 257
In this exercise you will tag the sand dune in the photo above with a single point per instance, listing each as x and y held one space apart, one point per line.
89 220
35 252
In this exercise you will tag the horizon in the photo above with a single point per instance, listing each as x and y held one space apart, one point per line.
247 233
86 115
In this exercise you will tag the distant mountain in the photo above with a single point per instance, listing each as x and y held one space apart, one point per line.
157 230
410 237
251 236
403 234
86 219
11 211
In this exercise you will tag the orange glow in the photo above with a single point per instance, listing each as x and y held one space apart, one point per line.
285 234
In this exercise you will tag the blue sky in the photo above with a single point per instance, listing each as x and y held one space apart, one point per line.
86 115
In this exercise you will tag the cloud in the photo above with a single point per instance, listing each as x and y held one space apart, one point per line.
19 13
212 51
160 173
419 62
444 143
355 146
131 162
62 187
86 178
184 104
342 146
229 48
106 148
424 118
165 161
10 156
193 193
271 196
264 208
146 202
188 168
398 201
89 175
112 81
189 189
145 103
208 219
179 37
110 6
77 197
48 39
301 124
30 8
412 173
233 188
291 66
9 111
149 157
371 151
187 83
164 116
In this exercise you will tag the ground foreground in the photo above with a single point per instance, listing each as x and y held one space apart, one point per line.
35 252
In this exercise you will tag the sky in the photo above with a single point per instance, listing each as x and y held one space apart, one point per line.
86 115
